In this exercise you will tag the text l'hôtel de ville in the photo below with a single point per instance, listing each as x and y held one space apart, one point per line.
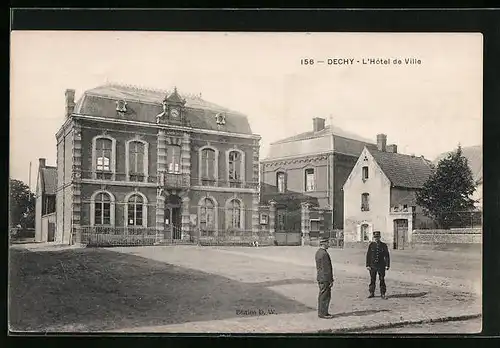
361 61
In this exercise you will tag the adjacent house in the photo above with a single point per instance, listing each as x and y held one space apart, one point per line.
165 164
45 205
380 194
307 171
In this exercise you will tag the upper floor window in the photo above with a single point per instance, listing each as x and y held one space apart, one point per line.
310 180
365 173
365 204
207 215
137 158
103 157
102 209
103 150
208 166
235 162
281 182
174 159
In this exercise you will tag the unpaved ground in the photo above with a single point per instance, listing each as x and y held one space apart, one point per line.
451 327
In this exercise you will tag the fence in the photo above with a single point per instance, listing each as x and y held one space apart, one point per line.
454 219
336 238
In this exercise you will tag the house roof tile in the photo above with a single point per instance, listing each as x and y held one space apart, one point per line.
403 170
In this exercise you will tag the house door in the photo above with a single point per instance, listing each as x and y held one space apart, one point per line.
400 233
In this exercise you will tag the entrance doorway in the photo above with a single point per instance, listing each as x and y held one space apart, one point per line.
173 218
400 233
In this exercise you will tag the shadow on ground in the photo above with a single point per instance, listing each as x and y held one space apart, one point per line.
96 290
359 313
408 295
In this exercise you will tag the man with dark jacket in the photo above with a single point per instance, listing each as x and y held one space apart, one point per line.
325 278
377 262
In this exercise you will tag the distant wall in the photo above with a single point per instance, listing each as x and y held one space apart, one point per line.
452 239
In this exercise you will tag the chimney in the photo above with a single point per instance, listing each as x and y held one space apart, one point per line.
70 102
41 163
381 142
392 148
318 124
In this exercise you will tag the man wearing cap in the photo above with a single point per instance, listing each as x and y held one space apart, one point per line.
377 262
325 278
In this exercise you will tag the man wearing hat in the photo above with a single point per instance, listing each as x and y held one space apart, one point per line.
377 262
325 278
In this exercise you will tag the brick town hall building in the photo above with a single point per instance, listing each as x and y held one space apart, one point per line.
172 167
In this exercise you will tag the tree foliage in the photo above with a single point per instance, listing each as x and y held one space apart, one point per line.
22 205
447 194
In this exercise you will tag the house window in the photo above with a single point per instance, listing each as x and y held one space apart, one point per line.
234 214
281 182
207 215
135 210
365 202
208 167
174 159
365 173
310 180
136 154
235 166
103 152
364 233
102 209
280 219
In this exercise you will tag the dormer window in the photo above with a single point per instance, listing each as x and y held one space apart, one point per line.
121 106
220 118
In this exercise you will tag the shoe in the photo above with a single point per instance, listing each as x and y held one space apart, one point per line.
326 316
383 297
371 296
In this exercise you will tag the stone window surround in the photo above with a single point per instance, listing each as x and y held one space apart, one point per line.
305 178
216 215
242 164
144 208
111 211
112 159
145 159
216 169
369 231
242 213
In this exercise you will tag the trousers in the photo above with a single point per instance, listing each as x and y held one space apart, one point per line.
324 297
373 278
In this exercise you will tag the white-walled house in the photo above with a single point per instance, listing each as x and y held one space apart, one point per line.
380 194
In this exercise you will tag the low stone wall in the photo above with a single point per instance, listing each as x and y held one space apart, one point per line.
452 239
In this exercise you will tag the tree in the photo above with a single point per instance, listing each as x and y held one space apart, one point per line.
22 205
447 193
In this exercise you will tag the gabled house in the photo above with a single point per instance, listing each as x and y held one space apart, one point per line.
45 206
380 194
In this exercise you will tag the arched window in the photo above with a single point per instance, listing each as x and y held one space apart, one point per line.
365 204
207 215
135 210
208 166
174 159
102 209
103 157
364 233
281 182
233 211
137 160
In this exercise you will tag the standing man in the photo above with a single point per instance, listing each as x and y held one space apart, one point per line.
325 278
377 262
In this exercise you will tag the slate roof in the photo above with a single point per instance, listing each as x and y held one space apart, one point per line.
145 104
49 180
327 131
403 170
474 155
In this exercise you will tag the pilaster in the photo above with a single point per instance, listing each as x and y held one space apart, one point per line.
305 222
185 218
76 174
272 217
255 213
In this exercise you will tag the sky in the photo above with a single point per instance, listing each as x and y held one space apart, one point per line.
425 109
